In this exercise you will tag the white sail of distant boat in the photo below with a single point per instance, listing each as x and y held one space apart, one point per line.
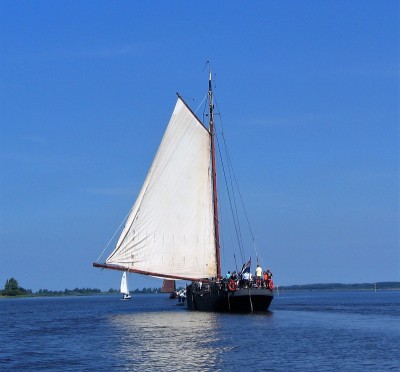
124 287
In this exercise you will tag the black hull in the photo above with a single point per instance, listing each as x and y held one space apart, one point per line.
243 300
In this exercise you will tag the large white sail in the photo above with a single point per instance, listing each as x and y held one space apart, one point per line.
124 284
170 230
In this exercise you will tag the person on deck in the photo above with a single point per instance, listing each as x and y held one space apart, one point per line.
265 278
246 279
228 275
269 282
258 275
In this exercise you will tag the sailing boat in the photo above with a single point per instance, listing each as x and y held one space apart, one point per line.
124 287
172 231
169 286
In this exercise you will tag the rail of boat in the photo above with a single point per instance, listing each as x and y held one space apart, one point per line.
225 296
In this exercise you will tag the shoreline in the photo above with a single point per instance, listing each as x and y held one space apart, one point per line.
334 287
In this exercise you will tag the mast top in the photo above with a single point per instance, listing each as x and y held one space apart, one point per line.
210 103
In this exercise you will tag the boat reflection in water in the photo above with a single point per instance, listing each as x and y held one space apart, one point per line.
167 339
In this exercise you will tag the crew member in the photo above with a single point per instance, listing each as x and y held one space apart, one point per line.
258 275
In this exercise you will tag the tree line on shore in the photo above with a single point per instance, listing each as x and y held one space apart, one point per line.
12 288
341 286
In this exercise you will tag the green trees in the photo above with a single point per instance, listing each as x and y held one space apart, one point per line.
12 288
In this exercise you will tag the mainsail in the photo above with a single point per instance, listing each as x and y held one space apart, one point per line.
170 230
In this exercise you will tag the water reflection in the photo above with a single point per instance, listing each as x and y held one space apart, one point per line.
168 340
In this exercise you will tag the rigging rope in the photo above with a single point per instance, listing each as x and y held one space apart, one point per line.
234 215
231 169
205 97
126 217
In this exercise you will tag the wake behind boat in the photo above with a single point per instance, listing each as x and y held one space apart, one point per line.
172 231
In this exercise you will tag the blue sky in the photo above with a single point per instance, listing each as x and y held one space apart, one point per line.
309 99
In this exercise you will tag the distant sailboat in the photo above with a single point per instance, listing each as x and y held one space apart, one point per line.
169 286
124 287
172 231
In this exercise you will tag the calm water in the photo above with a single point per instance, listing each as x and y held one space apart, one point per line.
347 331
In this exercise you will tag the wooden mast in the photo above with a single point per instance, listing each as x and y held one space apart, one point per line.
214 175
